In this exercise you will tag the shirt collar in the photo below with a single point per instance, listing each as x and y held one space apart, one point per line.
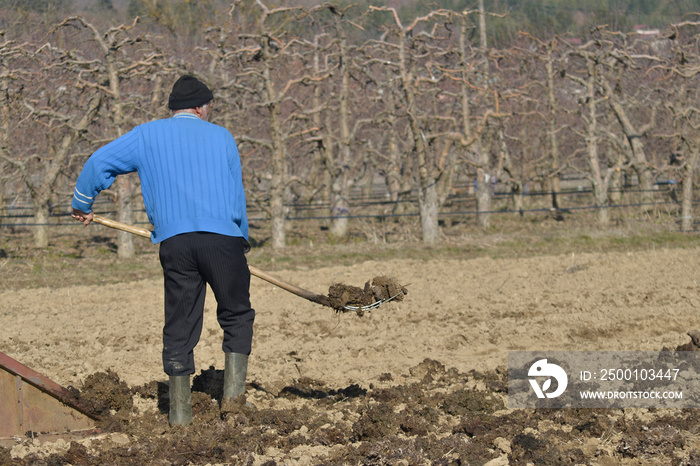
186 115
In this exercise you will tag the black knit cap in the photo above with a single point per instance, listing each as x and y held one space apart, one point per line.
189 92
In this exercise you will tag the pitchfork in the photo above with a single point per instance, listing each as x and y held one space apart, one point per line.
301 292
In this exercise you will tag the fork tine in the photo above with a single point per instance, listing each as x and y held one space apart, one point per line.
369 307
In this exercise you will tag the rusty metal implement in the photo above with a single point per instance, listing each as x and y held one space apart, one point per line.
301 292
32 405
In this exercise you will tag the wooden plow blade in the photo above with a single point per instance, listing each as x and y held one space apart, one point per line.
33 406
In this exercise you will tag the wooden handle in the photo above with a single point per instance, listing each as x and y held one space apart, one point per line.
121 226
301 292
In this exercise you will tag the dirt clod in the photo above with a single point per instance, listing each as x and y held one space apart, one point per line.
693 344
378 289
78 455
5 456
102 392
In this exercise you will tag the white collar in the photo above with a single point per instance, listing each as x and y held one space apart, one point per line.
186 115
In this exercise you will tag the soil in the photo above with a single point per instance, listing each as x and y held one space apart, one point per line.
417 381
376 292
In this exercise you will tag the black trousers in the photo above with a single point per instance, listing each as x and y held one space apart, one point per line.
189 262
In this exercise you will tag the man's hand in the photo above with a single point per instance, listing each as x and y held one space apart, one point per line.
82 217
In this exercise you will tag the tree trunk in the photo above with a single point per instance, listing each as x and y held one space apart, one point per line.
555 183
344 182
598 182
340 208
3 201
639 158
601 202
427 192
599 185
277 208
429 207
393 184
125 214
396 180
325 146
277 223
400 196
339 227
41 194
516 189
646 185
483 198
41 229
278 162
687 202
616 186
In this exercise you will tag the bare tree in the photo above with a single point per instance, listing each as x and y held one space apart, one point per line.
546 52
339 168
428 164
314 184
476 120
681 73
121 56
591 97
9 71
621 82
386 143
272 70
57 113
349 113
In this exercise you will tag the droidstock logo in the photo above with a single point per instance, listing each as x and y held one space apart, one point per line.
541 369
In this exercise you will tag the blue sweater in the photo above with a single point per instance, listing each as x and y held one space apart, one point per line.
190 175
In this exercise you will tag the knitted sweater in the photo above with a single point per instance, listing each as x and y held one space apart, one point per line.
190 175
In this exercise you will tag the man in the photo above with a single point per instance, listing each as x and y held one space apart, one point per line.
192 189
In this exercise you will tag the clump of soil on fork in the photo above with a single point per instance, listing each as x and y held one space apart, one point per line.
377 289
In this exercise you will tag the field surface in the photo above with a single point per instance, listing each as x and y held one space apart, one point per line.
422 381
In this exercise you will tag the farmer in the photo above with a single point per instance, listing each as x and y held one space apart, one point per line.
192 189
